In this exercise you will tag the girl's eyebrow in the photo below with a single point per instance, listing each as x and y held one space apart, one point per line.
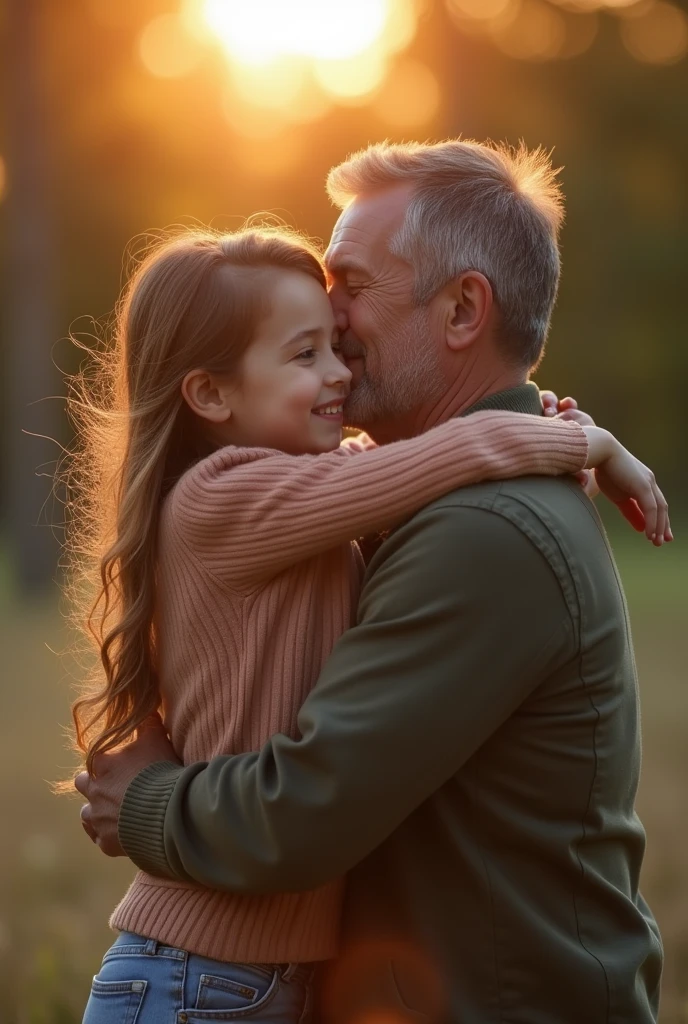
309 332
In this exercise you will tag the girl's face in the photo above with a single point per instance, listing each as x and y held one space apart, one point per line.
292 381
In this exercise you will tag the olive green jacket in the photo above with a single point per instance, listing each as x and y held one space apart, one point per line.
470 756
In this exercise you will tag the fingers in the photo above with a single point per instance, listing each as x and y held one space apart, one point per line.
553 406
82 783
577 416
588 482
663 529
654 507
647 501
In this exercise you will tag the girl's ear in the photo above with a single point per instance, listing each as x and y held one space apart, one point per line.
206 397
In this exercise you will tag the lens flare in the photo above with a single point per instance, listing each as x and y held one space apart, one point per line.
165 48
258 31
279 85
352 81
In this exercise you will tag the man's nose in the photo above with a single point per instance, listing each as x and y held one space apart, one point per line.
341 319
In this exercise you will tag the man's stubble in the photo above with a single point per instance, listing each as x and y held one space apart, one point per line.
409 377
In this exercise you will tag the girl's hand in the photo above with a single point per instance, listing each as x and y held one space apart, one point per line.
567 409
629 484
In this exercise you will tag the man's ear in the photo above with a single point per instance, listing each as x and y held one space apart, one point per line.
468 302
206 397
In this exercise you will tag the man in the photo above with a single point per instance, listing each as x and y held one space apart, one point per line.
470 753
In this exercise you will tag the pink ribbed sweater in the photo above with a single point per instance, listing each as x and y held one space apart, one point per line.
258 578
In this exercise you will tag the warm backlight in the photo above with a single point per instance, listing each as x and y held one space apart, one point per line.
259 31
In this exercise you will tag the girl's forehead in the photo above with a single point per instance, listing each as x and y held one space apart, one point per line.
298 294
297 304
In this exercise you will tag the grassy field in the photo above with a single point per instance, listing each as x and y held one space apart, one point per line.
56 890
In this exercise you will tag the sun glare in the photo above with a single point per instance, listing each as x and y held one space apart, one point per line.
260 31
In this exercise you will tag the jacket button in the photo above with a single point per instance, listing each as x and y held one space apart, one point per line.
183 1018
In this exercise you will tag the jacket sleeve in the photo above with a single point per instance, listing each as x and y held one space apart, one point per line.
460 619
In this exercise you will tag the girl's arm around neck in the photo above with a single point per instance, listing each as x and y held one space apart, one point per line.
248 520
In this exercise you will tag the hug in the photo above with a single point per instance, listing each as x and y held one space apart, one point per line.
389 788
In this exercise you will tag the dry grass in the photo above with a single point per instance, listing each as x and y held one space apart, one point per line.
56 890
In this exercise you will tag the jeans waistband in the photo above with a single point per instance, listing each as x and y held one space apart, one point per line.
151 947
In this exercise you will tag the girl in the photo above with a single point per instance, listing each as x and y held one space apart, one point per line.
223 509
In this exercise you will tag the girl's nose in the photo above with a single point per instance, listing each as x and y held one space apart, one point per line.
338 373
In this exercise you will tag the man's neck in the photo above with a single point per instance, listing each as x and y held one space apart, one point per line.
463 396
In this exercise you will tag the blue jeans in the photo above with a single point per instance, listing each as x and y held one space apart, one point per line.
143 982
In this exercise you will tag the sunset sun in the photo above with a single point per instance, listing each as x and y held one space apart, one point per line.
263 30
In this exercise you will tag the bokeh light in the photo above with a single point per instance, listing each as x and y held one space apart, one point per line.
352 81
166 49
535 31
659 36
483 10
279 85
401 24
410 96
258 31
295 60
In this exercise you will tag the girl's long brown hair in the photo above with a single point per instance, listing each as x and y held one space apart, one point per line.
194 301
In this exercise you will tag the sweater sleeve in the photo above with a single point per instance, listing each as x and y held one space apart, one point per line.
249 514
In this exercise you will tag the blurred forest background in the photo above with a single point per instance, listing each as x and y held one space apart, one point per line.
121 116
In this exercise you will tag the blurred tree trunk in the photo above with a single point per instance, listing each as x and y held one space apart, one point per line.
30 321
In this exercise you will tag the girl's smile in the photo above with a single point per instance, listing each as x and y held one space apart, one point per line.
333 411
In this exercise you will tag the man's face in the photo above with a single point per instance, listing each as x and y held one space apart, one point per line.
390 344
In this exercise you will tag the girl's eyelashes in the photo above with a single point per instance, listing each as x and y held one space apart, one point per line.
306 354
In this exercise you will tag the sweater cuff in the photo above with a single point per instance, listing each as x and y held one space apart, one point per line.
141 824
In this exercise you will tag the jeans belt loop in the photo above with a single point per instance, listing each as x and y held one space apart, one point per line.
289 970
151 947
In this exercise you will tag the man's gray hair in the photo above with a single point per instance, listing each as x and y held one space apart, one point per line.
491 208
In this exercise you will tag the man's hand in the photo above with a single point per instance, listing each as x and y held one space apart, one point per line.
113 772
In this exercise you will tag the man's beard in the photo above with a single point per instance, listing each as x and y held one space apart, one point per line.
415 378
